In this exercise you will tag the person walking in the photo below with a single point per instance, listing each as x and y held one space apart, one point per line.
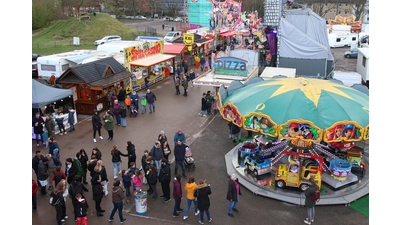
98 192
179 152
130 148
116 110
210 62
50 126
177 82
192 76
83 159
143 103
157 154
100 170
57 200
117 199
202 63
185 83
165 179
190 189
202 193
35 188
60 123
152 180
35 164
310 204
43 175
80 210
116 160
179 135
177 195
123 116
203 110
37 124
96 124
151 99
109 124
233 194
71 119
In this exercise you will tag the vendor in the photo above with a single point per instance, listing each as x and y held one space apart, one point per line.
156 69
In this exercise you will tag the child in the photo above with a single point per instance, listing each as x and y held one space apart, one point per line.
45 137
137 180
126 179
80 209
143 102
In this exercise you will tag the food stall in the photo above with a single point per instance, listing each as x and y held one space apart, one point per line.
91 82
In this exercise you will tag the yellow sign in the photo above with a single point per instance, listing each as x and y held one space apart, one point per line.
188 39
189 48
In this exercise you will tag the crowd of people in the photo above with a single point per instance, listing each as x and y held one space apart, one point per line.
61 181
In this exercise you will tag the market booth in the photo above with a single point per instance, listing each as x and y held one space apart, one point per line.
44 96
147 62
92 81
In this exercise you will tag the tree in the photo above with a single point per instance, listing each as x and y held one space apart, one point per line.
361 9
173 6
43 11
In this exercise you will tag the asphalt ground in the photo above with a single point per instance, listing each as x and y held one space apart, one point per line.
208 139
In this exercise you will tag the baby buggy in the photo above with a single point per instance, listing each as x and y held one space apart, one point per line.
189 160
133 109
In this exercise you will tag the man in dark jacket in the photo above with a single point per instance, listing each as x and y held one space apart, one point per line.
50 126
71 119
232 195
70 170
43 175
202 63
157 154
75 188
35 164
121 95
165 179
236 133
37 124
96 123
179 152
310 204
151 99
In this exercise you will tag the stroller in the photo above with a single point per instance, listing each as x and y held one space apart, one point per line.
133 109
189 160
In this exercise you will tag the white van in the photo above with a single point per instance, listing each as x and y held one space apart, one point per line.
107 39
171 36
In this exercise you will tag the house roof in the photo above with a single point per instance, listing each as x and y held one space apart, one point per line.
102 72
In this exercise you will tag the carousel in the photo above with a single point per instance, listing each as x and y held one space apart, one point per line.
304 128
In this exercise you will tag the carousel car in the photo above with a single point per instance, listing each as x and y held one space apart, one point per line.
354 156
257 164
286 176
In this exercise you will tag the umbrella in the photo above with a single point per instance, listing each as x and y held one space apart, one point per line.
313 109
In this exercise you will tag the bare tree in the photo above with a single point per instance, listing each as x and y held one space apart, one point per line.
173 6
360 10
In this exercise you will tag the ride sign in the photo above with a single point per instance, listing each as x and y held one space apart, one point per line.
188 39
231 66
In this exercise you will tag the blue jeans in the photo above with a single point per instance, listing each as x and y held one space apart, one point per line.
232 205
182 164
158 165
152 107
143 108
202 215
118 119
310 213
117 206
37 138
117 167
123 122
189 203
71 127
203 112
177 206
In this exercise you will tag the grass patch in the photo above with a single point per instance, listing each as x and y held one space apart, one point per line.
58 36
361 205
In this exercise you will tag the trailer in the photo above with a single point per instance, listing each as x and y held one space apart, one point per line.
343 40
51 67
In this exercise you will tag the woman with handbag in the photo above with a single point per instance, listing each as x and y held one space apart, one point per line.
202 193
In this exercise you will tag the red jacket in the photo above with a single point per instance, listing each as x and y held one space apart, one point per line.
35 187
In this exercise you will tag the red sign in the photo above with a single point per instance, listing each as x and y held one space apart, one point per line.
142 53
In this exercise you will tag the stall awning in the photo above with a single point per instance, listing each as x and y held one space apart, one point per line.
229 33
78 59
203 43
173 48
152 60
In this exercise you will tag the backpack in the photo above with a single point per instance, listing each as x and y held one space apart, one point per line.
315 195
54 200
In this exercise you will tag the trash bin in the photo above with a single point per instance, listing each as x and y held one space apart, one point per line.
141 201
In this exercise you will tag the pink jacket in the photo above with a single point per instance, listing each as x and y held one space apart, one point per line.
137 181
